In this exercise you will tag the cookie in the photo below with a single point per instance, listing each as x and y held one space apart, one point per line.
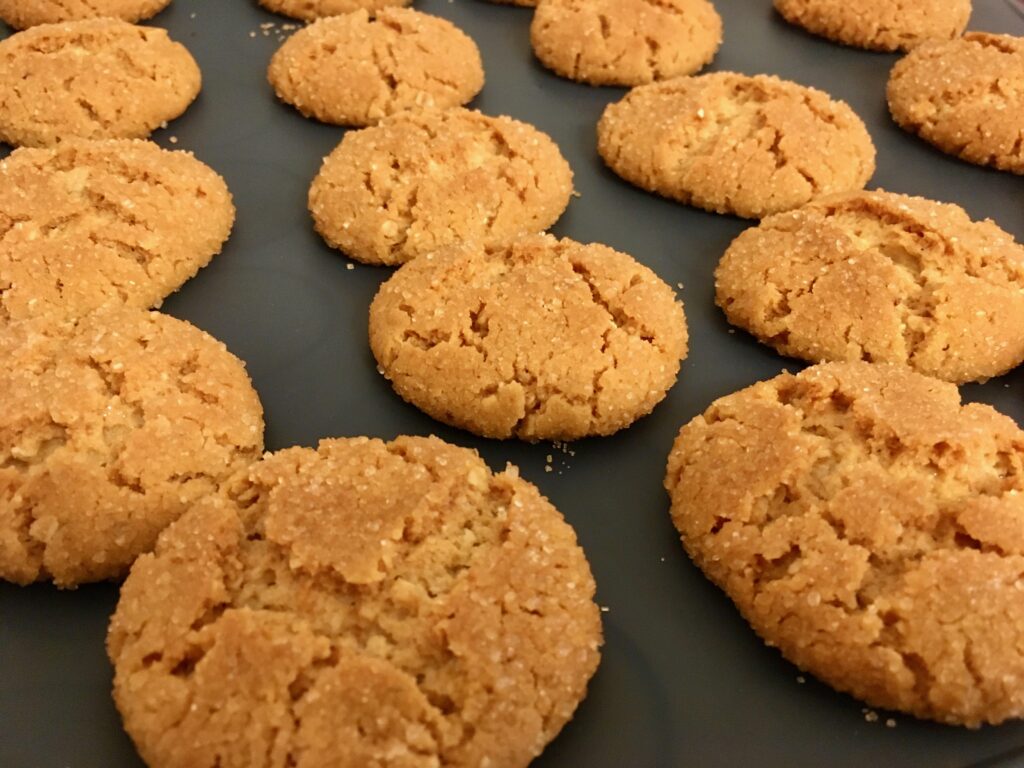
881 277
22 14
88 224
521 3
878 25
308 10
871 528
421 181
355 70
112 427
965 97
625 42
542 339
361 604
730 143
93 79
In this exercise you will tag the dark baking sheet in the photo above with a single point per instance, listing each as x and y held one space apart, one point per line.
683 680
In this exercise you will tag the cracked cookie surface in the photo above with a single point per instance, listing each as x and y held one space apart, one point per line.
364 603
308 10
89 224
93 79
21 14
111 428
356 70
965 97
625 42
878 539
883 278
730 143
879 25
422 181
542 339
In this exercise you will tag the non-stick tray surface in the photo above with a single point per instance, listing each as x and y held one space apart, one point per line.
683 681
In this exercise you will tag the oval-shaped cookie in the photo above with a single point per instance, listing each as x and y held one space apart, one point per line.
356 70
730 143
542 339
425 180
308 10
878 538
878 25
965 97
625 42
361 604
94 79
22 14
884 278
112 427
88 224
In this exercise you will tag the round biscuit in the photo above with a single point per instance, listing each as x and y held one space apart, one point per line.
308 10
22 14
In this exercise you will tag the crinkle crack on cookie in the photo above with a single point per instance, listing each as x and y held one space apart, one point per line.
356 70
94 79
871 527
365 603
309 10
625 42
22 14
879 25
111 428
731 143
965 97
422 181
883 278
90 224
542 339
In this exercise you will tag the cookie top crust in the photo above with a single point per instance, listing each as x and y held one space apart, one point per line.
879 25
625 42
356 70
543 339
93 79
420 181
88 224
731 143
965 97
881 277
22 14
878 539
364 603
308 10
112 427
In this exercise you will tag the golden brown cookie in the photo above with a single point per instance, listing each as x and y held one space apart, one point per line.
93 79
308 10
22 14
966 97
111 428
355 70
884 278
879 25
362 604
871 528
88 224
425 180
730 143
542 339
625 42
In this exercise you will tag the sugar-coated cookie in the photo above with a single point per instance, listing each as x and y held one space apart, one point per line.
22 14
93 79
543 339
111 428
420 181
361 604
625 42
869 526
356 70
731 143
307 10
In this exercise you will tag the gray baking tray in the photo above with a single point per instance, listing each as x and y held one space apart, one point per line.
683 681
